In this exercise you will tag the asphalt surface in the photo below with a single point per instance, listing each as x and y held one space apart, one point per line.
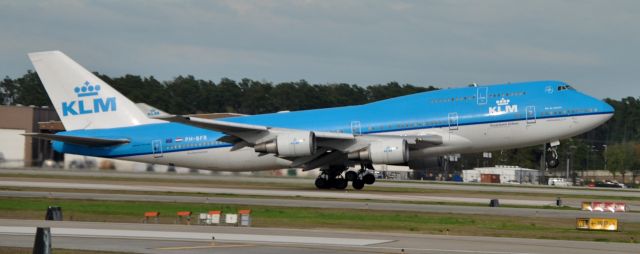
159 238
368 205
386 183
345 194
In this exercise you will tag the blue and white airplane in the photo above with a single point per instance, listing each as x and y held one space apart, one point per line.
407 130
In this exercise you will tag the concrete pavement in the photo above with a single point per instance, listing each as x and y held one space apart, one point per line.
270 240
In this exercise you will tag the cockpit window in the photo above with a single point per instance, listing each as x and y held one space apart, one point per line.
565 87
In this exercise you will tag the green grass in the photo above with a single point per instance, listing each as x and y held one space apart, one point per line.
298 217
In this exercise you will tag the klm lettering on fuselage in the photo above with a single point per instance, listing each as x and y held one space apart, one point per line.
503 107
88 101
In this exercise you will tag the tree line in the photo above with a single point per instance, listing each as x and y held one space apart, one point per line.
188 95
607 146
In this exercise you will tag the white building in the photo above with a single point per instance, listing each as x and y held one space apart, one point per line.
501 174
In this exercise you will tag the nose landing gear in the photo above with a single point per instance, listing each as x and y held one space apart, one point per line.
552 155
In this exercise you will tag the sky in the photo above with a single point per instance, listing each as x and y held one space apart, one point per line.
593 45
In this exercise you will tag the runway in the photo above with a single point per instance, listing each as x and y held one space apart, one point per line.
429 185
318 194
368 205
160 238
346 194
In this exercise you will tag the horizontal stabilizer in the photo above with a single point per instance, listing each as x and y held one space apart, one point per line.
215 125
150 111
85 141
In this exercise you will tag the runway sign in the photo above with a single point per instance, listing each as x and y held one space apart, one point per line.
245 217
604 206
151 215
605 224
183 215
214 217
231 218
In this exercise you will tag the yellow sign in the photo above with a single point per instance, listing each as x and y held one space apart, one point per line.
606 224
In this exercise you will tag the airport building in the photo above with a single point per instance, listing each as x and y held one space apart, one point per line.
501 174
17 150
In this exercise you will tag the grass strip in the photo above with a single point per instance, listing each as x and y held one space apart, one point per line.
294 217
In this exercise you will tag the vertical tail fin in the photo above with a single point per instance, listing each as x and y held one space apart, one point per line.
82 100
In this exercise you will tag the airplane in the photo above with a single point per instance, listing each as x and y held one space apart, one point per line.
406 130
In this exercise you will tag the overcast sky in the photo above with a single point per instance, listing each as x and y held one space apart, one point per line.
593 45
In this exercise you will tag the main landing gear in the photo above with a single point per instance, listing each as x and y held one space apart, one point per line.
332 177
552 155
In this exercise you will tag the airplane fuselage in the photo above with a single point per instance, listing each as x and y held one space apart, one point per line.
470 119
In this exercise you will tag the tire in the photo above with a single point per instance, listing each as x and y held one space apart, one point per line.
340 183
350 175
322 183
358 184
553 163
369 179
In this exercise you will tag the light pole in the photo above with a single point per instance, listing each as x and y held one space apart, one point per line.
569 155
605 157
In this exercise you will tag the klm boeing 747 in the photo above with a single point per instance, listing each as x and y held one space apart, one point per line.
407 130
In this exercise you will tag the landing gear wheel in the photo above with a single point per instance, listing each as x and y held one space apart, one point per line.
358 184
552 157
340 183
322 183
351 175
369 179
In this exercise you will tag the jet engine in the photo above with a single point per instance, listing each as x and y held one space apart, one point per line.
384 152
295 144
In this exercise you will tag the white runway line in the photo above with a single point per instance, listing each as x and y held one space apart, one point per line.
194 236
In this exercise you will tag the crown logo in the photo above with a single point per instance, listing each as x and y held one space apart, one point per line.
502 102
86 89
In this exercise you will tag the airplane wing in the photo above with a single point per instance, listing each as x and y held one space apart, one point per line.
250 133
288 143
84 141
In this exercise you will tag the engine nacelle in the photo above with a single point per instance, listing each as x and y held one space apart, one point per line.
384 152
295 144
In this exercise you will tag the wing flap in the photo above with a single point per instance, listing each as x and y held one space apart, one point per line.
84 141
333 135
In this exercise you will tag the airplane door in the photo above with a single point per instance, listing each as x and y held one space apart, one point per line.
453 121
531 114
356 129
482 95
156 148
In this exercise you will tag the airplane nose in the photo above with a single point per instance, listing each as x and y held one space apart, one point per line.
605 107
